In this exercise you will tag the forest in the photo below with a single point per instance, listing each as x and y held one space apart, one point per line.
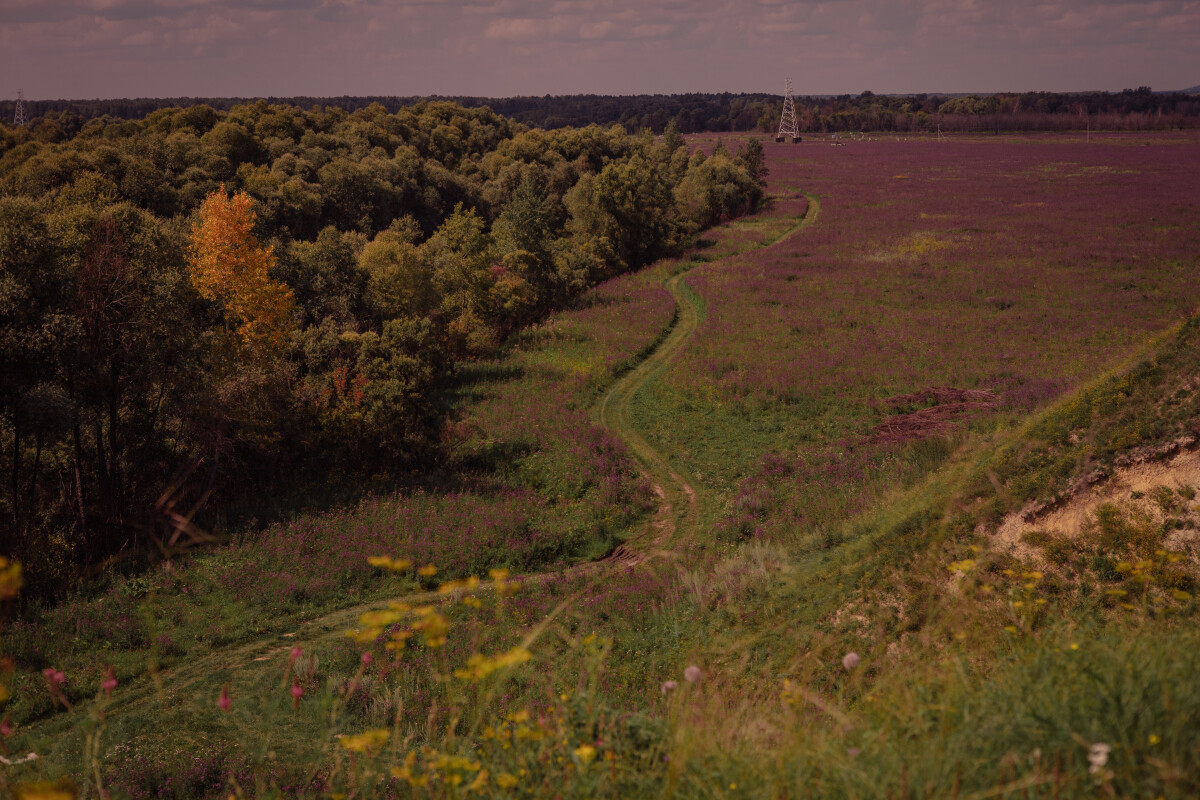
205 305
1129 109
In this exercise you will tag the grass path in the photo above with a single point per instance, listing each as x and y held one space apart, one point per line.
674 523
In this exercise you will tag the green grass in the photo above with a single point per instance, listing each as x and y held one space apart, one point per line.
979 675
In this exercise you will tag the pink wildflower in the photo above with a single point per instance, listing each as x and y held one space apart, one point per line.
297 693
6 728
225 702
367 658
109 683
850 661
297 651
692 674
669 686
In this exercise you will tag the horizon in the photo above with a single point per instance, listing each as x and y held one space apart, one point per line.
440 96
529 48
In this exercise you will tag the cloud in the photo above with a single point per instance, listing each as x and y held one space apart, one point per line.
596 30
240 47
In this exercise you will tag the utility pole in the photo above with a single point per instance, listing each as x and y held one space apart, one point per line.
19 113
788 129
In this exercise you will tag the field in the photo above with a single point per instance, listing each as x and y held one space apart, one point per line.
1023 267
796 441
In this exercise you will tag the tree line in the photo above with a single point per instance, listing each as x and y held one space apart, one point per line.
200 305
1129 109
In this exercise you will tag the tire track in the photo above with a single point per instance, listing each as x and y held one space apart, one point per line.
673 522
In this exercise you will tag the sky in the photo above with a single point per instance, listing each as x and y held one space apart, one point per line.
82 49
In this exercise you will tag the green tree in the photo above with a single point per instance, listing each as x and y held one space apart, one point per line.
754 159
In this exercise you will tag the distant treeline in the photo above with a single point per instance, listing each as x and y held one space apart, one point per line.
1131 109
167 347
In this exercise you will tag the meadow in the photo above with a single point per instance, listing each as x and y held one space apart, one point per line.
1020 266
1048 276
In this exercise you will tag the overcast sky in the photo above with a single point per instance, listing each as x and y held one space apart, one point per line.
156 48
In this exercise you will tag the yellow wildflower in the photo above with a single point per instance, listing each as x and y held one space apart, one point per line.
366 741
427 571
379 619
479 783
453 586
506 780
480 666
585 753
1154 738
388 563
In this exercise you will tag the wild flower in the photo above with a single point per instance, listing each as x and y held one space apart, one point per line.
850 661
669 686
225 702
366 742
109 683
692 674
480 666
391 564
1097 757
585 753
297 692
54 683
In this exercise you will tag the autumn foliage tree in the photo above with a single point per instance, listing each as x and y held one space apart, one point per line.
229 266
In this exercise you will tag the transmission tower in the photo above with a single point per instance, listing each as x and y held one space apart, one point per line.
19 114
788 130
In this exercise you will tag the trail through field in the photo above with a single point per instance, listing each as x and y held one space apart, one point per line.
676 515
673 523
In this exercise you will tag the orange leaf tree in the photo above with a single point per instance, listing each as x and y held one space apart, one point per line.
229 266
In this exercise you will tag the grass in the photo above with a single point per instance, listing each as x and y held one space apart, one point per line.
979 674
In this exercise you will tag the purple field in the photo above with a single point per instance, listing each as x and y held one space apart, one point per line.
1022 266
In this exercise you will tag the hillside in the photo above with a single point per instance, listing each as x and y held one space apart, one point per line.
913 514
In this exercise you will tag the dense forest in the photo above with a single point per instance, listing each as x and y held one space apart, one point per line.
203 305
1130 109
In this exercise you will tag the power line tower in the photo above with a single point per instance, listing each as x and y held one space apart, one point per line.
19 114
788 129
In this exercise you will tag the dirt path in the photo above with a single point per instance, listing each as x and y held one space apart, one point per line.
672 523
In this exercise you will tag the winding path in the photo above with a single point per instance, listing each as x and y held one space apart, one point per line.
675 520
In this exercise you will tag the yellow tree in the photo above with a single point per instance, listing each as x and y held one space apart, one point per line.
229 266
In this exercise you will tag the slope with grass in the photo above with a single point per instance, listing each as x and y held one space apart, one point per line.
524 438
1057 668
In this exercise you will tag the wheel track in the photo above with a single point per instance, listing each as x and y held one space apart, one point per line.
677 509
